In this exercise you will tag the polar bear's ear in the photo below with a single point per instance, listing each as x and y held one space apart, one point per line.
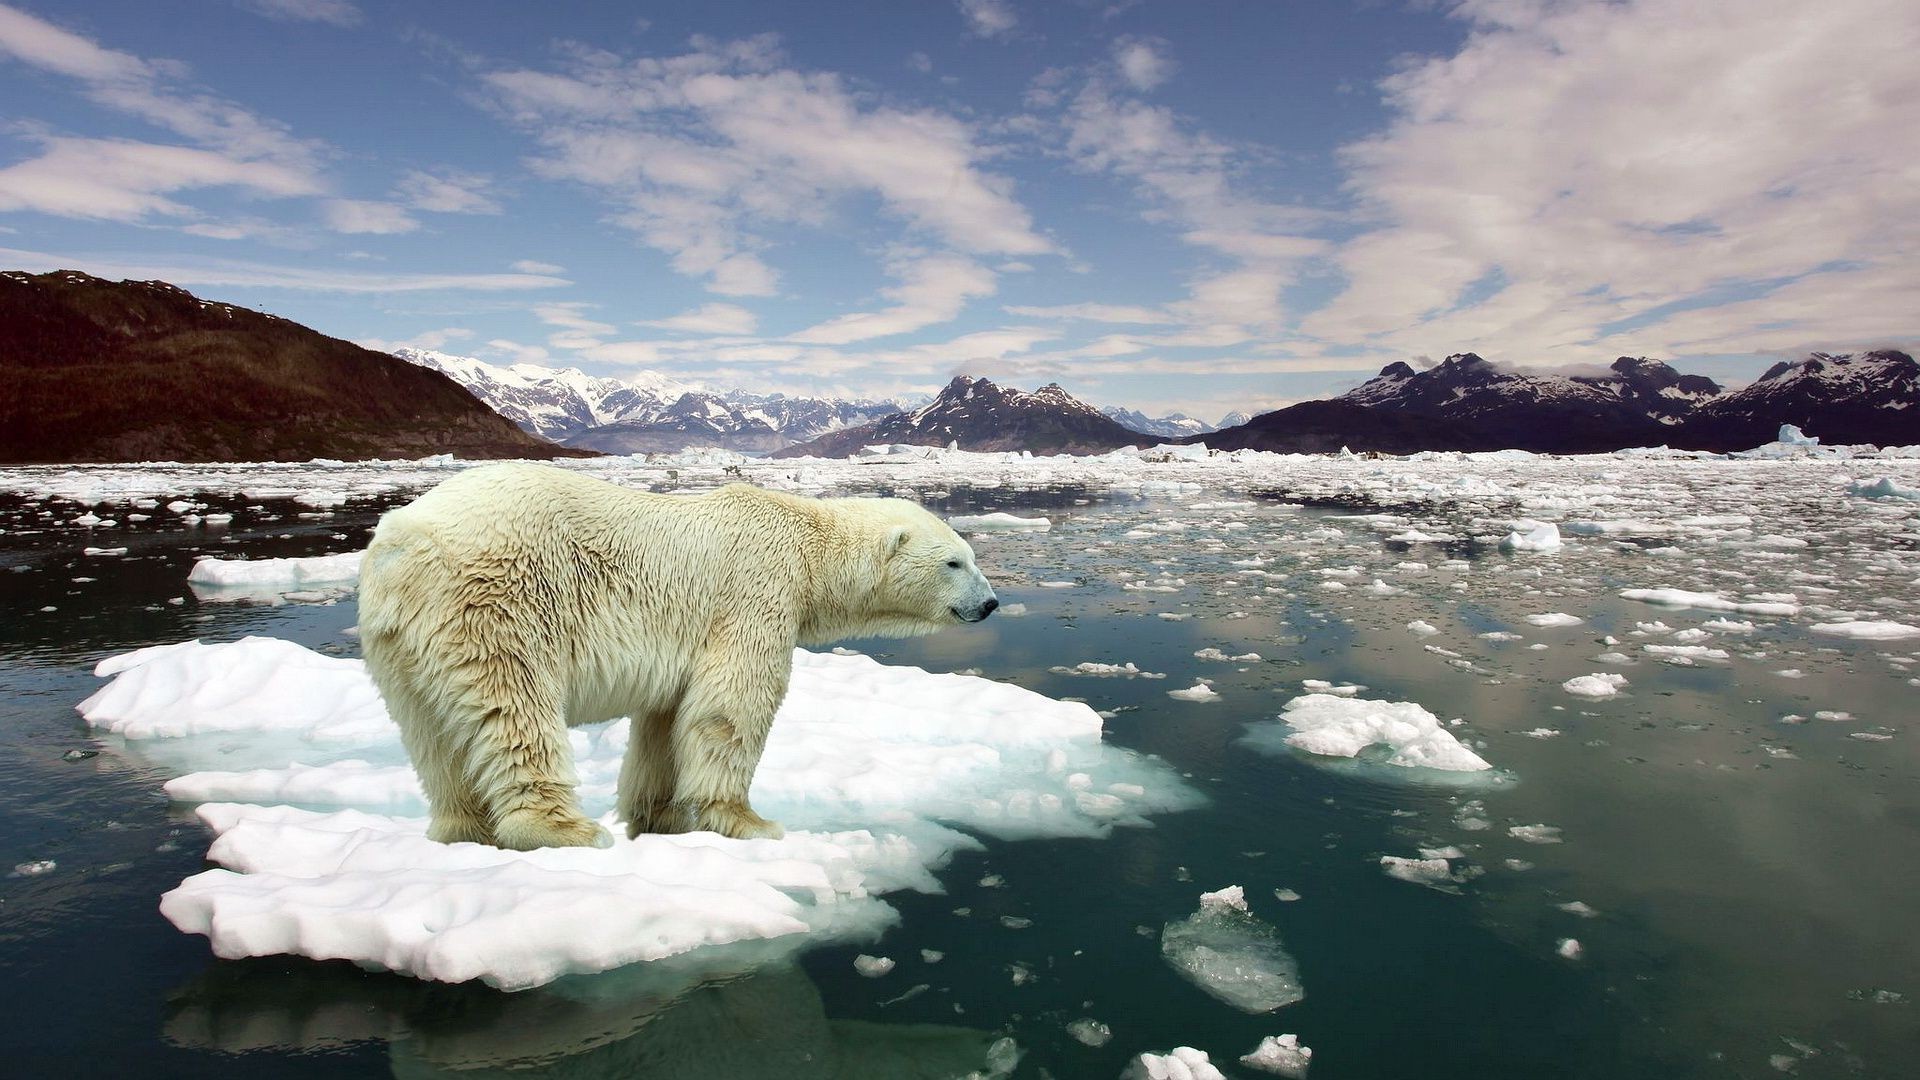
897 539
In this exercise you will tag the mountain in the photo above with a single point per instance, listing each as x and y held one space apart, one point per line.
553 403
1869 397
1170 426
1653 387
1545 412
1232 419
977 414
649 412
141 370
1329 426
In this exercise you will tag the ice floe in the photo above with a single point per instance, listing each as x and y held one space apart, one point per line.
1683 598
1601 684
1281 1055
875 771
1179 1063
1870 630
1336 726
1229 954
998 522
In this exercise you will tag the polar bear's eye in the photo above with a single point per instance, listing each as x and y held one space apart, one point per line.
953 564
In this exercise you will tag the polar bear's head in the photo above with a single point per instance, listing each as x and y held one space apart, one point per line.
927 577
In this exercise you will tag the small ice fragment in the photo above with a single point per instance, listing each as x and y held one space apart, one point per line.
1538 536
998 522
34 869
1868 630
1555 618
1577 907
1536 834
1015 922
1226 952
872 966
1281 1055
1429 872
1541 733
1286 896
1601 684
1199 691
1569 948
1179 1063
1336 726
1090 1032
1423 627
932 956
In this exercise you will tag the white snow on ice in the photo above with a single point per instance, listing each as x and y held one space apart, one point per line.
874 770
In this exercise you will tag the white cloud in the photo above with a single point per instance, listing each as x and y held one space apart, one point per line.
727 320
366 216
431 340
532 266
699 152
34 41
447 192
121 180
200 272
989 18
1754 141
1189 179
332 12
1110 313
1143 62
932 289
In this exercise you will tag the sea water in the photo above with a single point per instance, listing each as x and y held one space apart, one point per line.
1689 853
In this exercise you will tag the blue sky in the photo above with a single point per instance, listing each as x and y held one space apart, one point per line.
1199 206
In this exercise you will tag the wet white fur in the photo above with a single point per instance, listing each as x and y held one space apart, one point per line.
514 600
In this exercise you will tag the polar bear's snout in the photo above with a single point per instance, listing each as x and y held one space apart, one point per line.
979 601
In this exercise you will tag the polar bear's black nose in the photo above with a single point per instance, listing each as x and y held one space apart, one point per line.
986 609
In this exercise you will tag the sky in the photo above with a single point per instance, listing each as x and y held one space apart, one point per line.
1196 206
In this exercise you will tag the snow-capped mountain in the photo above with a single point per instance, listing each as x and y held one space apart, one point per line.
1540 411
1653 387
1232 419
1170 426
1869 397
977 414
555 403
646 413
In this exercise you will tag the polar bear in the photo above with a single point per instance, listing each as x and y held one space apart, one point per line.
515 600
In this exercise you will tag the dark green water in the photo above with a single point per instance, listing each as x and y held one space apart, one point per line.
1752 879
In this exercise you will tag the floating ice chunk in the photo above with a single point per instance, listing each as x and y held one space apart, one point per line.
1090 1032
35 868
1533 536
1685 655
1423 627
1682 598
1601 684
998 522
872 966
1336 726
270 579
861 763
1884 488
1868 630
1569 948
1092 667
1536 834
1216 654
1231 955
1179 1063
1555 618
1578 907
1541 733
1281 1055
1432 873
1199 691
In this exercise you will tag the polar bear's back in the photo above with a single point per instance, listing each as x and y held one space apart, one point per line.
611 591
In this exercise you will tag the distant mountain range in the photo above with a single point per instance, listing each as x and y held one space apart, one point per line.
95 370
1468 403
103 371
650 412
978 414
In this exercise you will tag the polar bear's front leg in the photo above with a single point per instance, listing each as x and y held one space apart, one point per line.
717 739
522 764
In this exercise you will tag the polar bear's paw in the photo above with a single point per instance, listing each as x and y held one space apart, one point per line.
459 829
738 821
525 830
